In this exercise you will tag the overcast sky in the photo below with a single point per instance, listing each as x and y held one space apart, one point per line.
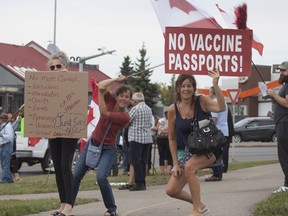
83 26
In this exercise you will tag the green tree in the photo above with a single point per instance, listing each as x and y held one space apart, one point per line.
141 82
127 69
167 93
172 90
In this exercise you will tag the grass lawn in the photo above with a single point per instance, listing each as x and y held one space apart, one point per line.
274 205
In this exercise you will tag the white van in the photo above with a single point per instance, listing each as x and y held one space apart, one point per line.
39 153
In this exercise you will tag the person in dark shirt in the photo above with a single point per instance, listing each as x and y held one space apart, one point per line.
281 121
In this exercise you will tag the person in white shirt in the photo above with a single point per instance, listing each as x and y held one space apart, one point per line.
6 148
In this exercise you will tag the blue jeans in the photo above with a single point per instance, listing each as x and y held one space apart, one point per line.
108 155
5 156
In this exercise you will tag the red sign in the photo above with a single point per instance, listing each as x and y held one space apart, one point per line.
233 95
197 51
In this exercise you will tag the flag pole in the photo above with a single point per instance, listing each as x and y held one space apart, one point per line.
258 72
140 72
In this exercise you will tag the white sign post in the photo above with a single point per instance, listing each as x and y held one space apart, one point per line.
233 95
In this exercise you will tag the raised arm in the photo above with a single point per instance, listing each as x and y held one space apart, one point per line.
219 105
105 83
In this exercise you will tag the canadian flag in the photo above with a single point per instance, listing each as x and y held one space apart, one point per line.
93 113
230 21
175 13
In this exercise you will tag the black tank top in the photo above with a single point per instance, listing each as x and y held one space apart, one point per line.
183 126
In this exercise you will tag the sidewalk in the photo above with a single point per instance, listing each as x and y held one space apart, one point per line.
254 144
234 195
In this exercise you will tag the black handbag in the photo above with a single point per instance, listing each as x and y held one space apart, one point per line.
205 139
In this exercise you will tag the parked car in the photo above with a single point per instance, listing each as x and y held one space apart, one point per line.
40 153
255 129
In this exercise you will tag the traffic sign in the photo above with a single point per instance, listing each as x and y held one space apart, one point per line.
233 95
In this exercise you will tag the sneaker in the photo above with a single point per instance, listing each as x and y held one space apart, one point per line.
281 189
108 213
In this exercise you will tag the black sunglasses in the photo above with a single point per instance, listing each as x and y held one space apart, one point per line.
282 70
53 67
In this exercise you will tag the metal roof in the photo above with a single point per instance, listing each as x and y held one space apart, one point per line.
18 59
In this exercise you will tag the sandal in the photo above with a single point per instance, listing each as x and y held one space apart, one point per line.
205 211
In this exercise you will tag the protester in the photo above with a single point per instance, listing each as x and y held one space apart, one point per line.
221 122
112 110
6 148
140 139
180 117
62 149
281 121
165 159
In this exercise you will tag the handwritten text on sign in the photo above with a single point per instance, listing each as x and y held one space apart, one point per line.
197 51
56 104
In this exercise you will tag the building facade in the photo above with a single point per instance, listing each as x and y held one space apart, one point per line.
15 60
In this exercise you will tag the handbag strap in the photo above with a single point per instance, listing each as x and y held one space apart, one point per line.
197 103
195 122
106 132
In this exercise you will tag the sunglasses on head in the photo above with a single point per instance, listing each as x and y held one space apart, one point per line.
53 67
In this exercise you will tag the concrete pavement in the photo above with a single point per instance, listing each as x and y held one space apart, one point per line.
234 195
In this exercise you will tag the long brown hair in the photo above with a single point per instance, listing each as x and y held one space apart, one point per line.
181 78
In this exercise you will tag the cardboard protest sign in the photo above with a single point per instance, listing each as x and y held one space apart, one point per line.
56 104
197 51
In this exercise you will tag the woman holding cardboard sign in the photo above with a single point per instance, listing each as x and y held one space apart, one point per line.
62 150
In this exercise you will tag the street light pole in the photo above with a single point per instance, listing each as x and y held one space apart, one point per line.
55 12
83 59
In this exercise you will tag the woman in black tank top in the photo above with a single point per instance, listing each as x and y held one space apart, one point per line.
180 117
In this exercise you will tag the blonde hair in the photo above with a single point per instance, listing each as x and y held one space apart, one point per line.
61 56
